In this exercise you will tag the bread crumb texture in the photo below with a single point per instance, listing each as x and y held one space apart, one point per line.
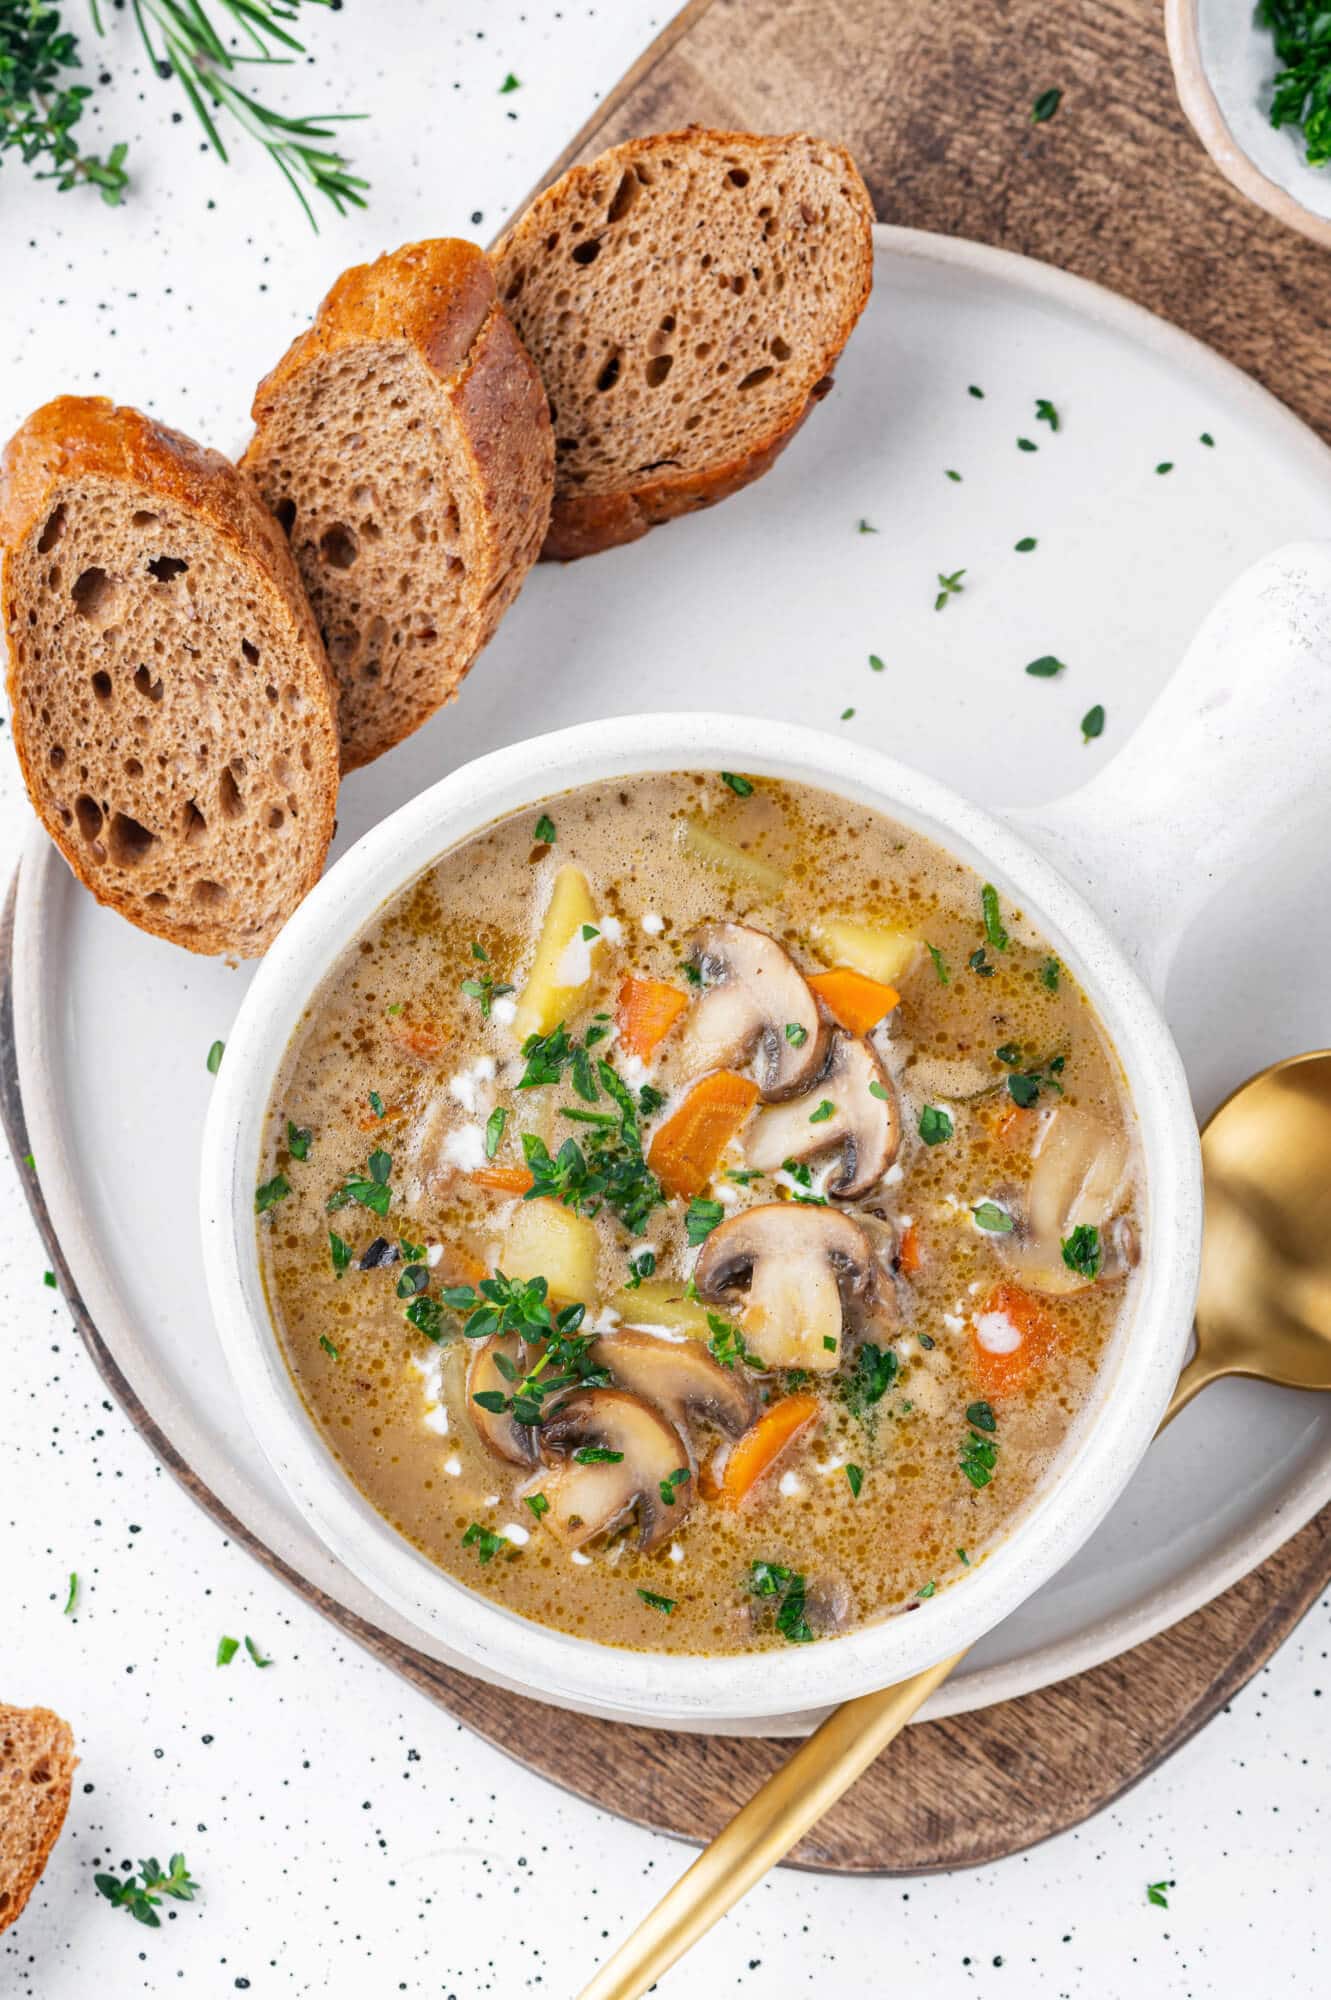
404 445
37 1765
172 708
685 298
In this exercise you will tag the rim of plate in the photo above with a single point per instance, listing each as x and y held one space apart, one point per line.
1106 1442
42 869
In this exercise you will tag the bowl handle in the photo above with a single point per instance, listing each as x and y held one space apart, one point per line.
1236 749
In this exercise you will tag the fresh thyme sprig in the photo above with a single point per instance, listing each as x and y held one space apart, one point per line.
38 110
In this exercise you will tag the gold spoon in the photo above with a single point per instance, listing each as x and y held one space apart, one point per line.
1263 1309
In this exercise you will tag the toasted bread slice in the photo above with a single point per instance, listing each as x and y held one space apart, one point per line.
685 298
404 443
37 1766
173 713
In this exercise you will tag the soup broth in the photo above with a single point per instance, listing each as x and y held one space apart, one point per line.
694 1212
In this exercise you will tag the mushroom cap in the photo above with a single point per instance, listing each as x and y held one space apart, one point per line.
498 1430
801 1263
755 991
1080 1177
680 1379
865 1121
591 1499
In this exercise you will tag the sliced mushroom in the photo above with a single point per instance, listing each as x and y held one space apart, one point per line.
864 1123
799 1264
595 1495
1080 1177
680 1379
757 1003
497 1429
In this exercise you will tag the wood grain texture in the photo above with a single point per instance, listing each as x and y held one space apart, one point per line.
935 102
952 1794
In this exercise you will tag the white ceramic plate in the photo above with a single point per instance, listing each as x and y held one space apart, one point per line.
772 605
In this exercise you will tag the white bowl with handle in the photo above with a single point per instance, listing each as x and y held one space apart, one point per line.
1237 746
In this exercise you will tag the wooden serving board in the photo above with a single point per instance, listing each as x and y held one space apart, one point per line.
935 103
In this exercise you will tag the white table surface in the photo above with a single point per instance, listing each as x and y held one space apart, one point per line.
348 1836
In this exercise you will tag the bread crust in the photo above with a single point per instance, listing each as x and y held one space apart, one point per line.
82 437
439 297
584 524
34 1827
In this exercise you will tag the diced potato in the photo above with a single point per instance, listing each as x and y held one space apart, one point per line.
547 1240
659 1302
876 950
563 961
748 870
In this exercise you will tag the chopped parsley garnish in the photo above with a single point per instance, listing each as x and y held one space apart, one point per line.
478 951
979 964
255 1654
270 1193
547 1057
1155 1891
376 1104
935 1125
768 1579
73 1596
610 1171
926 1589
744 1176
486 1543
823 1112
846 714
298 1140
597 1454
1165 465
1044 107
876 664
963 1557
426 1315
640 1267
994 933
49 1280
1049 972
656 1602
855 1479
726 1344
977 393
512 1305
1025 545
880 1091
1206 438
137 1893
368 1190
1027 444
995 1220
485 990
1024 1085
1081 1251
670 1482
1093 723
509 84
328 1347
948 586
955 477
1045 413
414 1280
1045 667
939 964
702 1218
874 1372
1009 1053
867 528
215 1054
227 1648
796 1035
537 1502
741 787
690 971
494 1130
544 831
982 1416
798 1171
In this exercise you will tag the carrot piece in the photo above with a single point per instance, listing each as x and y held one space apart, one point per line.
390 1116
908 1251
648 1009
684 1152
763 1443
857 1002
1012 1126
998 1374
421 1039
503 1180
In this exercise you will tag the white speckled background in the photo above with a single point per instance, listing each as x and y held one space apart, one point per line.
348 1836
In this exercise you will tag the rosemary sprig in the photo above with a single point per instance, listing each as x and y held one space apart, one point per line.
190 47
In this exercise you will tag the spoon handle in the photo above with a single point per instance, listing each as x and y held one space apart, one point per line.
793 1799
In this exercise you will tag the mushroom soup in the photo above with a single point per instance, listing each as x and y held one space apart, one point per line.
694 1212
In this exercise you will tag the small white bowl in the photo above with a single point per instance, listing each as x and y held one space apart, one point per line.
1235 746
1224 62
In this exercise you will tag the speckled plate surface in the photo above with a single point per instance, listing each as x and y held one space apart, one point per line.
773 605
